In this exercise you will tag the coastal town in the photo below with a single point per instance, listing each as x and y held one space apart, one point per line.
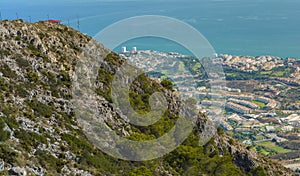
149 88
259 101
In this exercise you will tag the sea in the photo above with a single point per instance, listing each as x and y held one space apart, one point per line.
236 27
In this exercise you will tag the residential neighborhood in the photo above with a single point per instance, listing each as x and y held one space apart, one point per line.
260 110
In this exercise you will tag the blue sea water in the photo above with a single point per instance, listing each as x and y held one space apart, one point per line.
237 27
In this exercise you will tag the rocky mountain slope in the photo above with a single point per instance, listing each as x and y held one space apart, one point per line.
39 131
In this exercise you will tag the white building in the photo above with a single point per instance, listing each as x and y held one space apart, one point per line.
263 99
287 128
293 120
124 49
225 125
244 103
247 142
134 50
238 108
270 129
235 117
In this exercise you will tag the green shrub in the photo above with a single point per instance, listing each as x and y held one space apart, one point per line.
64 79
29 115
41 35
3 85
7 72
167 84
4 53
20 90
30 139
220 131
76 144
259 171
33 76
50 162
33 49
4 135
114 58
106 78
140 137
36 52
40 108
7 154
141 171
23 63
140 102
9 116
99 161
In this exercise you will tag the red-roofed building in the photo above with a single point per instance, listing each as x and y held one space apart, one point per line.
53 21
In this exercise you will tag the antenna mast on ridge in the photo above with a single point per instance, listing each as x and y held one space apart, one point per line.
78 23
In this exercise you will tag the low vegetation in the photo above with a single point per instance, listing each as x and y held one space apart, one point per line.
36 106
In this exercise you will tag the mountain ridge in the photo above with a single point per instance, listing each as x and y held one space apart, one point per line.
42 133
